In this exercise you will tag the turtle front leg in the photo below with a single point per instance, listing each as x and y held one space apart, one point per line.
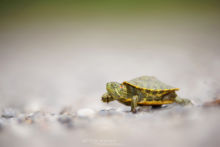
134 103
183 101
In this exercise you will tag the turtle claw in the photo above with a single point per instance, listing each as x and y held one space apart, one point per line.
134 111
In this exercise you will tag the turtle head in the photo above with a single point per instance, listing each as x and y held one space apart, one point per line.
116 90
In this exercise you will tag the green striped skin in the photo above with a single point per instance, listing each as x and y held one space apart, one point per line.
149 91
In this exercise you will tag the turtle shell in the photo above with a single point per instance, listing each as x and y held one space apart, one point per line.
150 84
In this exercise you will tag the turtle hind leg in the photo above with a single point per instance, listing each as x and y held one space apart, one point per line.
134 104
183 101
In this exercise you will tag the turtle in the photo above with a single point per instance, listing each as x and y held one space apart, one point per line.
142 91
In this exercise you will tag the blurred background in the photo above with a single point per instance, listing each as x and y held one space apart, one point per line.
61 53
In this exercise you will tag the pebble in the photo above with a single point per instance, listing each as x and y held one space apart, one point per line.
67 111
8 113
34 117
1 124
109 112
66 120
21 118
85 113
212 103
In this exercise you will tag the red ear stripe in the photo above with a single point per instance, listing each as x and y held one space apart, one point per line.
121 86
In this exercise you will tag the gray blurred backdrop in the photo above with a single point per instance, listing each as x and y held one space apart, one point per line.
59 53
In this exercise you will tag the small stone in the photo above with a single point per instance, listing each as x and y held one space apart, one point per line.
21 118
107 112
37 117
66 120
1 124
85 113
104 112
67 111
212 103
32 117
8 113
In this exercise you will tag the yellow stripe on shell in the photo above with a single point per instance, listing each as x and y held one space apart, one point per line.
151 90
145 102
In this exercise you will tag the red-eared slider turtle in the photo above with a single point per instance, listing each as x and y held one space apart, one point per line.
142 91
